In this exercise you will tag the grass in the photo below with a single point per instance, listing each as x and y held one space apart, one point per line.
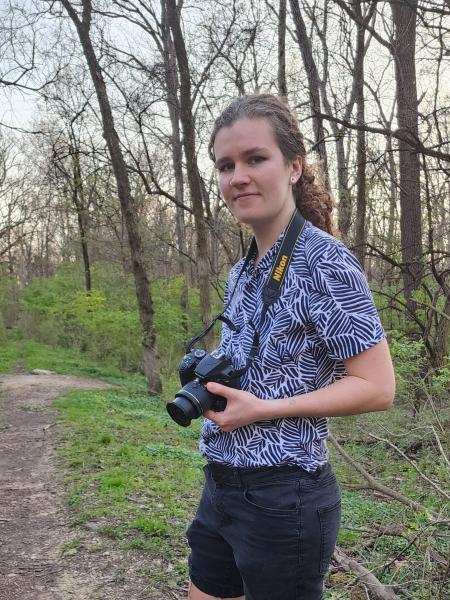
135 476
31 355
129 466
10 352
400 556
131 470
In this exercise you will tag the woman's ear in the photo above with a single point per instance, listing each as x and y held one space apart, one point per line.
297 168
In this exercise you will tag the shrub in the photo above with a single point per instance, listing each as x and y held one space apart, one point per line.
105 323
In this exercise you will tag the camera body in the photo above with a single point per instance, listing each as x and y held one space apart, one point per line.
196 369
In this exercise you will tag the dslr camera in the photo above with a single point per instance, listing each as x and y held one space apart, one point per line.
196 369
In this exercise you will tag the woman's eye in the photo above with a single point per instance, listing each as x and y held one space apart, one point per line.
225 167
256 159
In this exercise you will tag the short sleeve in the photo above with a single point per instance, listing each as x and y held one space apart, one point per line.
341 306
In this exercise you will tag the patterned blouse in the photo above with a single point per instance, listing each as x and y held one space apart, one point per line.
325 314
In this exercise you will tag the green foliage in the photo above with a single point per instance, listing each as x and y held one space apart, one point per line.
127 466
57 313
104 324
9 307
10 351
414 378
172 325
385 302
29 354
409 360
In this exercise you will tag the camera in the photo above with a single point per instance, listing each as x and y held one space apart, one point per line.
196 369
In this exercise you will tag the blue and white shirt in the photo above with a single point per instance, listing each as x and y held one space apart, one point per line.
325 314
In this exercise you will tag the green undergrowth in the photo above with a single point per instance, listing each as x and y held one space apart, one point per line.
403 547
137 477
134 477
18 352
131 472
10 355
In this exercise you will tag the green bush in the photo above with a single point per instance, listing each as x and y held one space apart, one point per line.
9 296
414 378
104 324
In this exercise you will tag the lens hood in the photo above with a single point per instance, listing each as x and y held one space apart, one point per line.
190 403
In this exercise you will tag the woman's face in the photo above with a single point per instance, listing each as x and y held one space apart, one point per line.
254 177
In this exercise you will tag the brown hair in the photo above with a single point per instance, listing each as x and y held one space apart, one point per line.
311 198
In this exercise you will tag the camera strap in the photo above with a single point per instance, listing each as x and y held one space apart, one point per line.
274 283
272 287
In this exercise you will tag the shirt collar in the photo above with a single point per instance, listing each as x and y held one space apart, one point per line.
266 262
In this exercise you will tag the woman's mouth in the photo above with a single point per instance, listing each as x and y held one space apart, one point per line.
245 195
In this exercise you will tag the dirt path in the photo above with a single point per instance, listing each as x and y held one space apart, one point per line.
34 561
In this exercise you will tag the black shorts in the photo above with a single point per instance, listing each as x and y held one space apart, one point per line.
267 533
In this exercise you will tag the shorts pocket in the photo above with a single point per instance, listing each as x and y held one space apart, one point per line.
330 520
275 498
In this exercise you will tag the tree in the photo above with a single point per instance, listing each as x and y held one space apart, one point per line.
312 74
144 299
195 183
361 153
403 49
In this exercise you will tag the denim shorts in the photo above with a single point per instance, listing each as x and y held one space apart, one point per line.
268 533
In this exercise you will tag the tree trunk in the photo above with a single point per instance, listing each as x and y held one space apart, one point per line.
393 187
194 179
361 155
345 204
10 244
82 217
312 75
282 86
404 18
345 199
144 299
172 86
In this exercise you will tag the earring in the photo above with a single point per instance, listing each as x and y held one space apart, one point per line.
293 180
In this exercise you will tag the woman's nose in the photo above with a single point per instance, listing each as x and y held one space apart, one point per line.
240 175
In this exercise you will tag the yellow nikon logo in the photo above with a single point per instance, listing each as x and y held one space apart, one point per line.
279 270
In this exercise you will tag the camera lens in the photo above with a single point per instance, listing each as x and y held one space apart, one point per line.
190 402
181 411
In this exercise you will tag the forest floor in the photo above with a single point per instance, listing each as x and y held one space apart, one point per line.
98 484
39 559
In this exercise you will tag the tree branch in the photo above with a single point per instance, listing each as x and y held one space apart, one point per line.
375 485
398 134
377 590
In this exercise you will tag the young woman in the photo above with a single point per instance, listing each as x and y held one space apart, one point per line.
269 515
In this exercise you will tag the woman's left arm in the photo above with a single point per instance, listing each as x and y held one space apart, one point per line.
369 386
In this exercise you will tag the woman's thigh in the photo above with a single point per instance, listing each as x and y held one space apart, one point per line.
283 534
195 594
267 541
212 567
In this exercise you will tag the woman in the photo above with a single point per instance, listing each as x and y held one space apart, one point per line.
269 515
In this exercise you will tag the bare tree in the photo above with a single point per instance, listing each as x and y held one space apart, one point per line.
194 179
403 48
312 74
282 87
361 154
150 356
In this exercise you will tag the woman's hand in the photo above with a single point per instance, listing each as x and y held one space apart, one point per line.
242 408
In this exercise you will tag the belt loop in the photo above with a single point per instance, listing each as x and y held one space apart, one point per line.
239 477
318 472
